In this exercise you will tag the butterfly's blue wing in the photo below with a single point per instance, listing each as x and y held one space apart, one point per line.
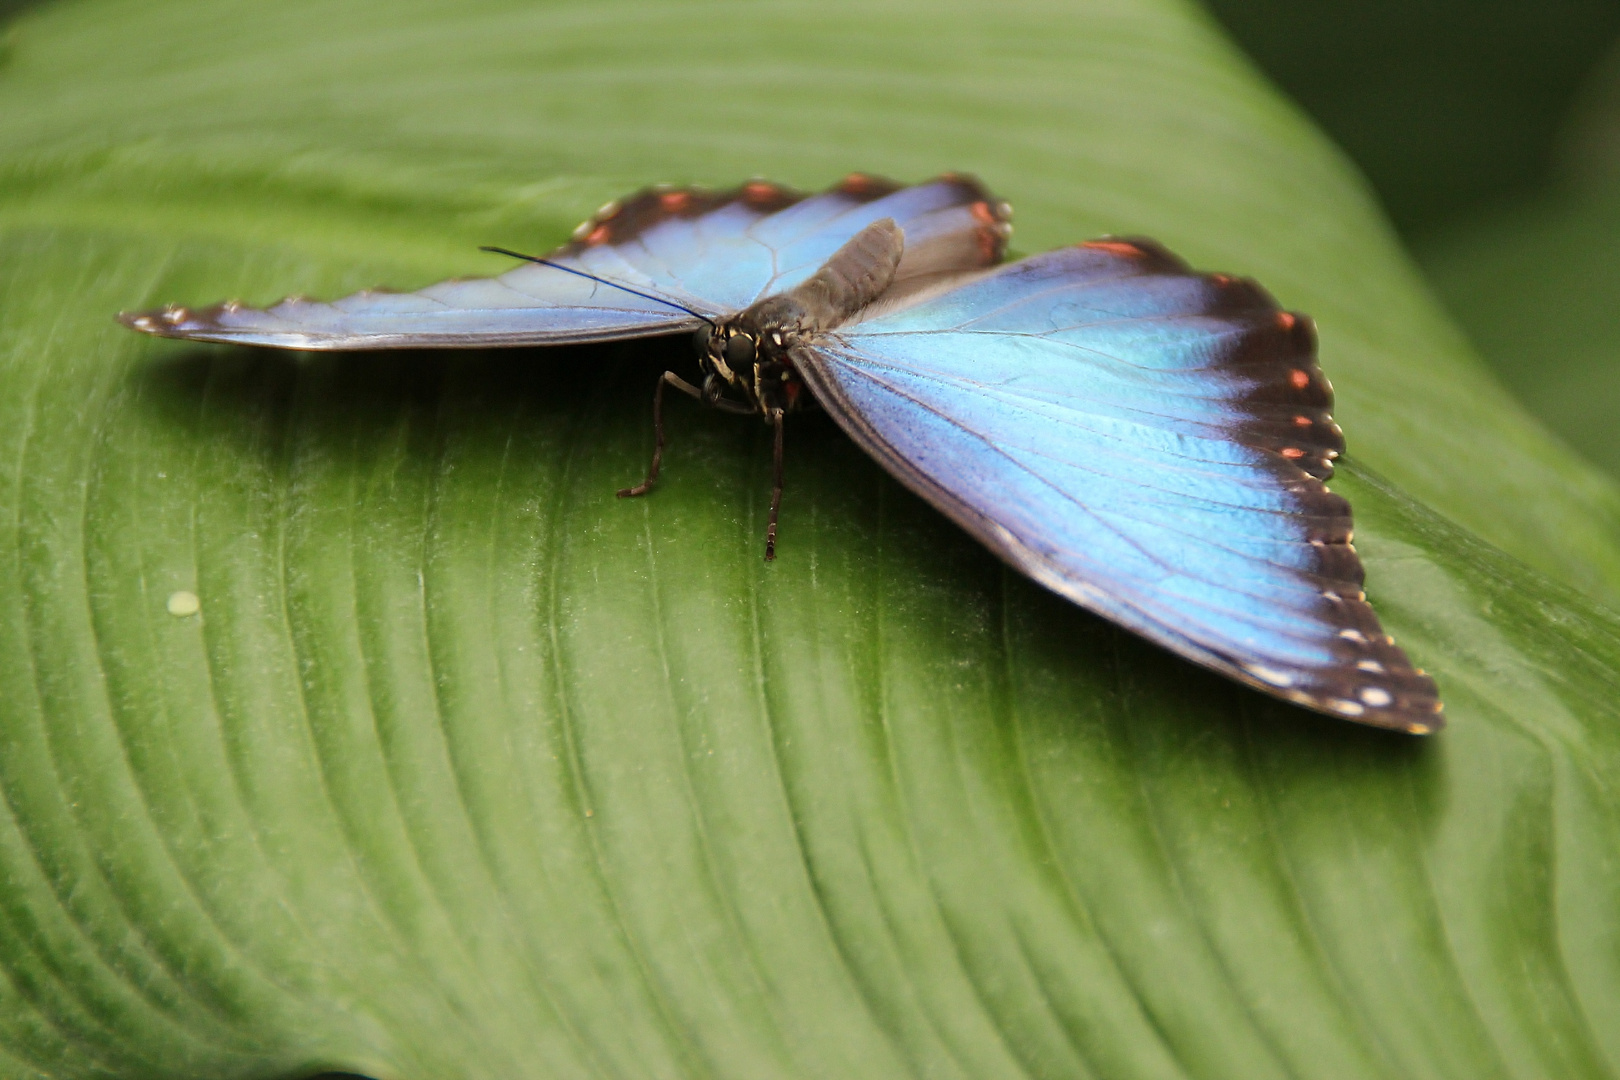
711 252
1148 442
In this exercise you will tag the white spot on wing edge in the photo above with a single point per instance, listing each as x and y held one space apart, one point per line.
1270 676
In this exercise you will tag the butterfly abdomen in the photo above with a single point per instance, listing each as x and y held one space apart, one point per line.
856 275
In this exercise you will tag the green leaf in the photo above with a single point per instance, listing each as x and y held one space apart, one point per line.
466 768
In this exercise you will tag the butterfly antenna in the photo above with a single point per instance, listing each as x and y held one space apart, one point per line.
599 281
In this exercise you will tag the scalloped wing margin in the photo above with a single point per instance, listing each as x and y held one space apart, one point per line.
1148 442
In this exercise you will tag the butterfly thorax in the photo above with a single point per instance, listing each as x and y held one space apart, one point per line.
747 358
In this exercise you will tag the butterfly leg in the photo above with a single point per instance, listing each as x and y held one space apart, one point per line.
776 486
668 378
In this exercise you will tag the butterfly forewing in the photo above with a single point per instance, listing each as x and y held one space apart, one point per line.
1146 441
711 252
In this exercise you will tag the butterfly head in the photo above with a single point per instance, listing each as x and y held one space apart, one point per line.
728 351
746 358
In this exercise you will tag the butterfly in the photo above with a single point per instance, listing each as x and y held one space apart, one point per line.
1150 442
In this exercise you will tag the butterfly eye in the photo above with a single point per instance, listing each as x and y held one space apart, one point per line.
739 351
700 339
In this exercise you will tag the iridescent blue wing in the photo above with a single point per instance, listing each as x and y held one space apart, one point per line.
711 252
1148 442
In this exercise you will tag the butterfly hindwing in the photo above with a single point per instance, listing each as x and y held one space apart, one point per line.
1149 442
712 252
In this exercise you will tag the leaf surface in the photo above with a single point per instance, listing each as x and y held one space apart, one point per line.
466 768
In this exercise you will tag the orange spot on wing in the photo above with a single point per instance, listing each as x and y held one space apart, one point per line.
1299 379
1286 320
856 183
1114 247
1292 452
1221 279
674 200
597 235
1302 421
759 191
982 211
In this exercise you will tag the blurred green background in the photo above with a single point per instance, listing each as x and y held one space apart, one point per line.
1491 132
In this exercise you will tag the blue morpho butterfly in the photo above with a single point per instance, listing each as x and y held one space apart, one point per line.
1147 441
